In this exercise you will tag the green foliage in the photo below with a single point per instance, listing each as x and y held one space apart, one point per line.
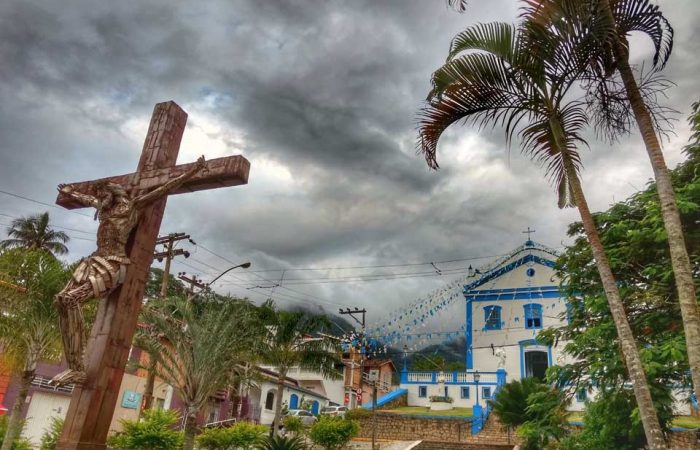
241 436
293 424
430 363
29 331
50 437
198 343
153 432
536 409
358 414
633 235
35 233
283 443
611 421
333 433
19 443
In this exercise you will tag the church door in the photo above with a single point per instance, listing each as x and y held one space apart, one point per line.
536 363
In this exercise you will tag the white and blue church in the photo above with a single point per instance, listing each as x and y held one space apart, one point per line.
507 305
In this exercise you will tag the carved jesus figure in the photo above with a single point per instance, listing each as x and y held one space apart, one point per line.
104 270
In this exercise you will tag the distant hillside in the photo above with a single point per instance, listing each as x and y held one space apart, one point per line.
453 351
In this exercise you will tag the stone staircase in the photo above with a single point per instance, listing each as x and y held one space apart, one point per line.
493 433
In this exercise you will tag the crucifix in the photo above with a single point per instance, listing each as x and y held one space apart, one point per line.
130 209
528 232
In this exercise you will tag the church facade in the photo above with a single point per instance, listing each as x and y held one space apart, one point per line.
507 305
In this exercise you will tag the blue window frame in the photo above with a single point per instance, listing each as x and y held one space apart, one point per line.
533 316
492 317
422 391
486 392
581 395
464 392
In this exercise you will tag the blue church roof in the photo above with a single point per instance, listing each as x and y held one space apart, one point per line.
502 268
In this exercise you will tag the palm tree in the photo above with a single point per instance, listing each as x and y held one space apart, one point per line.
29 329
34 232
609 22
198 345
290 343
521 79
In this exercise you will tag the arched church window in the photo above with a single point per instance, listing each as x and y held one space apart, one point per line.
492 317
533 316
270 400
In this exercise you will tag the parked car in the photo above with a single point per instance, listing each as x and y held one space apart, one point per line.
306 417
334 411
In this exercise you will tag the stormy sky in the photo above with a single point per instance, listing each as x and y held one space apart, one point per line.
321 96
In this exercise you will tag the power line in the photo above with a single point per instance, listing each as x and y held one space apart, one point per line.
53 225
22 197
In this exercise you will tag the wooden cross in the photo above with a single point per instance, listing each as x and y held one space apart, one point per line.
528 232
92 404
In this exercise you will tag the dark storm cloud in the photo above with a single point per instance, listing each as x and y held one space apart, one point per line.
322 97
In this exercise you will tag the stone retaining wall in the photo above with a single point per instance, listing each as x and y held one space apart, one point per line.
412 428
684 440
429 445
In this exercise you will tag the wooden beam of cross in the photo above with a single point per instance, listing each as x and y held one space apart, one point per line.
92 404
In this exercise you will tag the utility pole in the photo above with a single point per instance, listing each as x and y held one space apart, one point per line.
170 252
361 322
193 281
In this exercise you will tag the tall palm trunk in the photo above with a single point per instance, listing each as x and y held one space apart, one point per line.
150 384
14 427
190 429
630 353
278 402
680 261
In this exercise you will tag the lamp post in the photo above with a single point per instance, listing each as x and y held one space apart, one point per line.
478 422
245 265
477 377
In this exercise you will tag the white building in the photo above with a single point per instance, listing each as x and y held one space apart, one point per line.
506 307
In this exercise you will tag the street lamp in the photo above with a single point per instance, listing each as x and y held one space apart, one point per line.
477 377
245 265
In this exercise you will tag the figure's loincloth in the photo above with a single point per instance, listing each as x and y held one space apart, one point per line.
103 272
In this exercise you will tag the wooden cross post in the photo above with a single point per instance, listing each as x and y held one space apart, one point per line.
92 404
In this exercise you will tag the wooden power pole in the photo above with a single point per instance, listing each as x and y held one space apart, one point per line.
193 281
168 255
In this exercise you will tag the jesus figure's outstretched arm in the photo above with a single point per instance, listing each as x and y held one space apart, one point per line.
150 197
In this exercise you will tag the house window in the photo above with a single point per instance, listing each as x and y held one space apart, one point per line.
533 316
270 400
465 392
492 317
581 395
422 391
486 392
446 392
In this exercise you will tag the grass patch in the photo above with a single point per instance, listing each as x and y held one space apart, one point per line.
686 421
425 411
575 416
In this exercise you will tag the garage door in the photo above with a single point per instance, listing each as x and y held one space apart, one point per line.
44 406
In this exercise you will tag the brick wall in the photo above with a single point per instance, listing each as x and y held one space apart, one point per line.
684 440
412 428
428 445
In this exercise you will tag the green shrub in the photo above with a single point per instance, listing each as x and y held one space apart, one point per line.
50 437
612 421
536 409
153 432
282 443
333 433
20 443
293 424
358 414
241 436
